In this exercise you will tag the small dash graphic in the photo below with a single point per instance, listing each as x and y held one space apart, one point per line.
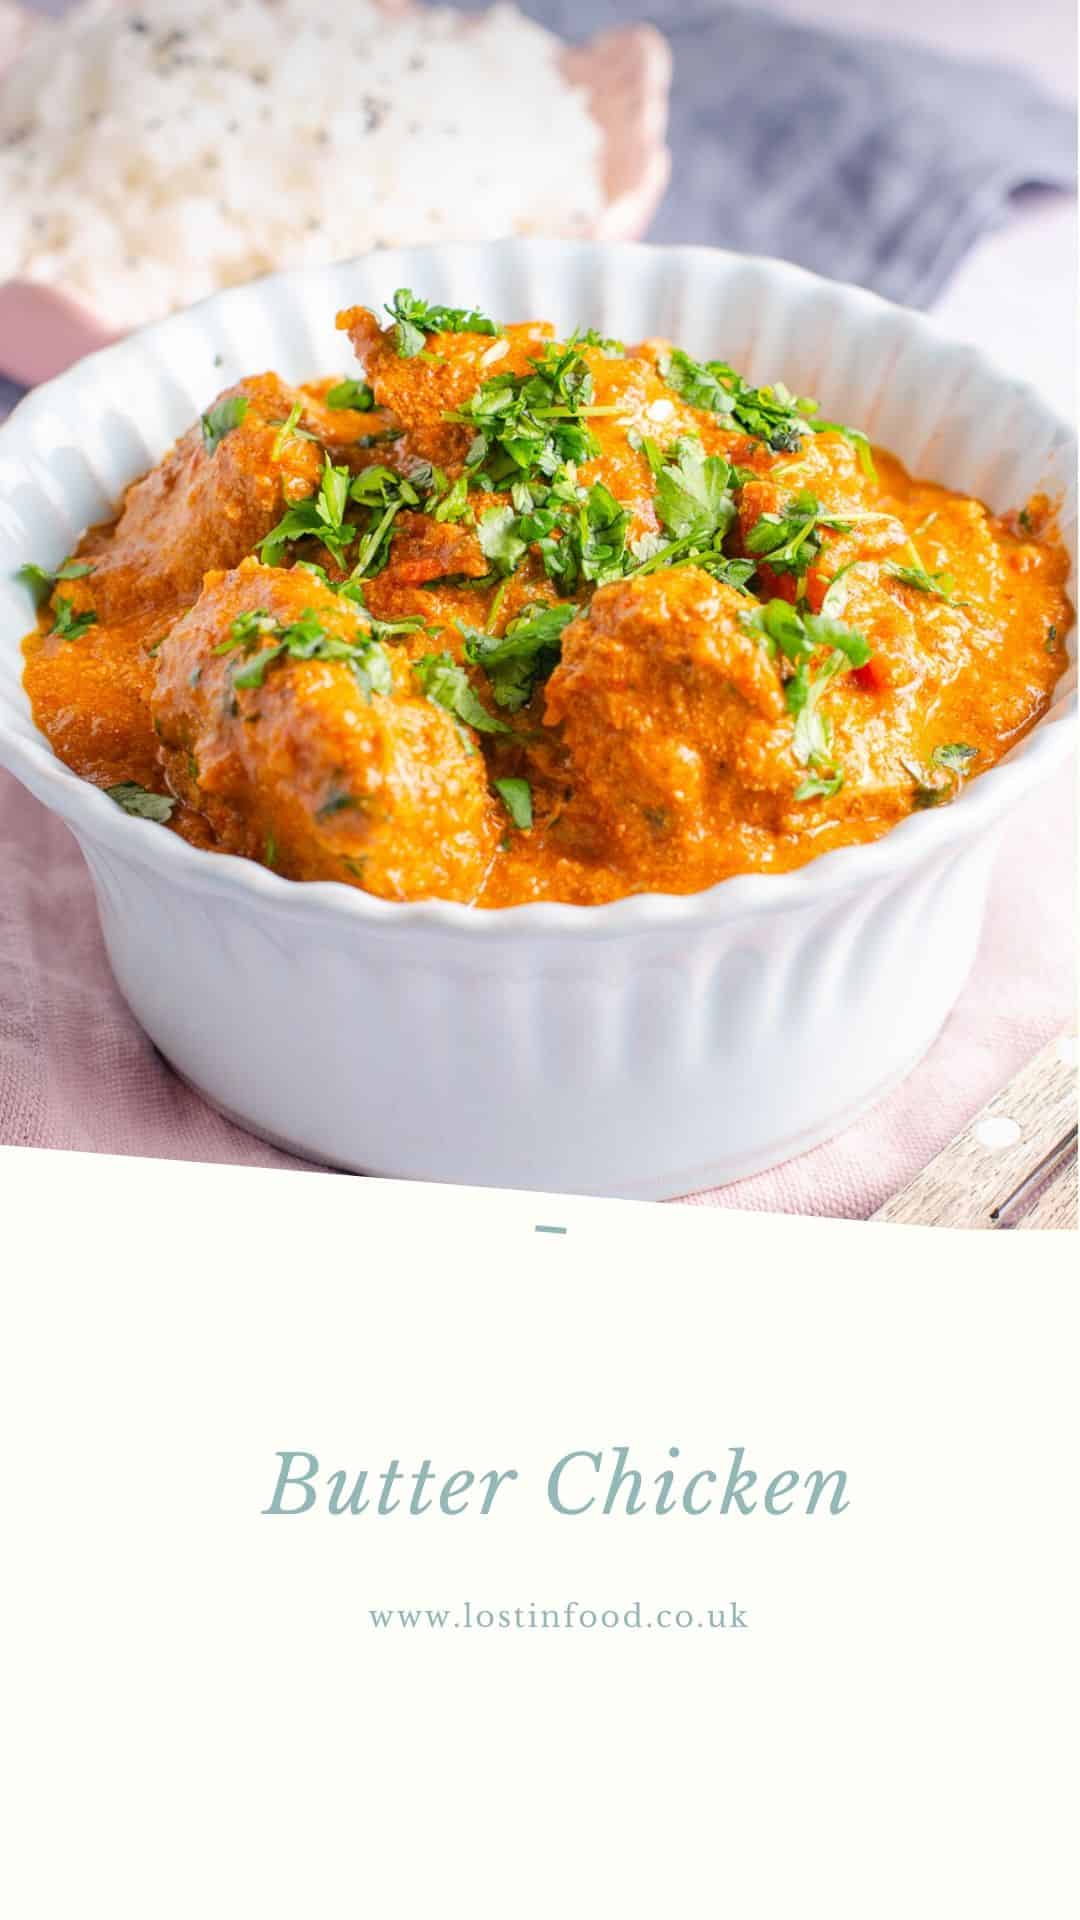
543 1229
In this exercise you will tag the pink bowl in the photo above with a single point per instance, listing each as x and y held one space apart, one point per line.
626 74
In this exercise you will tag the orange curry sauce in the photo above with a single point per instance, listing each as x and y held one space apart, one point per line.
614 622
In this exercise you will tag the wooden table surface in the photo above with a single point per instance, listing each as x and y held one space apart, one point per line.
1028 1124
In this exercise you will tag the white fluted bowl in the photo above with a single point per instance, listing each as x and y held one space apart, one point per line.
648 1047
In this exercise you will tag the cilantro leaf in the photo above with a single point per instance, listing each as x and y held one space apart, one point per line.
800 639
941 585
731 572
416 318
501 540
69 625
954 759
449 686
643 443
355 395
223 416
819 786
304 639
579 535
140 802
698 383
693 498
290 429
516 796
611 349
516 661
531 424
320 517
448 503
835 596
384 493
39 581
602 531
957 757
771 413
791 540
694 502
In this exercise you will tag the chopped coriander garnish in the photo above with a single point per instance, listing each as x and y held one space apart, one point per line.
835 595
449 686
515 662
290 429
1051 639
611 349
140 802
303 639
447 503
602 528
699 383
693 494
819 786
69 625
643 443
772 414
355 395
789 541
320 517
954 759
694 502
501 541
40 582
270 851
529 425
384 493
579 534
223 416
941 585
337 801
799 639
416 318
736 574
957 756
516 796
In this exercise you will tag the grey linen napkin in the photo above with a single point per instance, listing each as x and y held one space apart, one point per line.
870 160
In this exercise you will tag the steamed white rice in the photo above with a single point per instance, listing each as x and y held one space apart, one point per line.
149 155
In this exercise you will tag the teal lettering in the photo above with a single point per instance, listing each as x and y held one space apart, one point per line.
286 1478
554 1485
815 1485
781 1483
734 1489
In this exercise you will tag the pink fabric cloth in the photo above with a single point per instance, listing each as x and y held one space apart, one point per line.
76 1072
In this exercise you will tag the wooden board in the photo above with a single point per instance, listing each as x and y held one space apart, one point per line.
969 1182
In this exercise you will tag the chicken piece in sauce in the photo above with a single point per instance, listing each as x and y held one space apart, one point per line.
208 504
324 767
673 718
